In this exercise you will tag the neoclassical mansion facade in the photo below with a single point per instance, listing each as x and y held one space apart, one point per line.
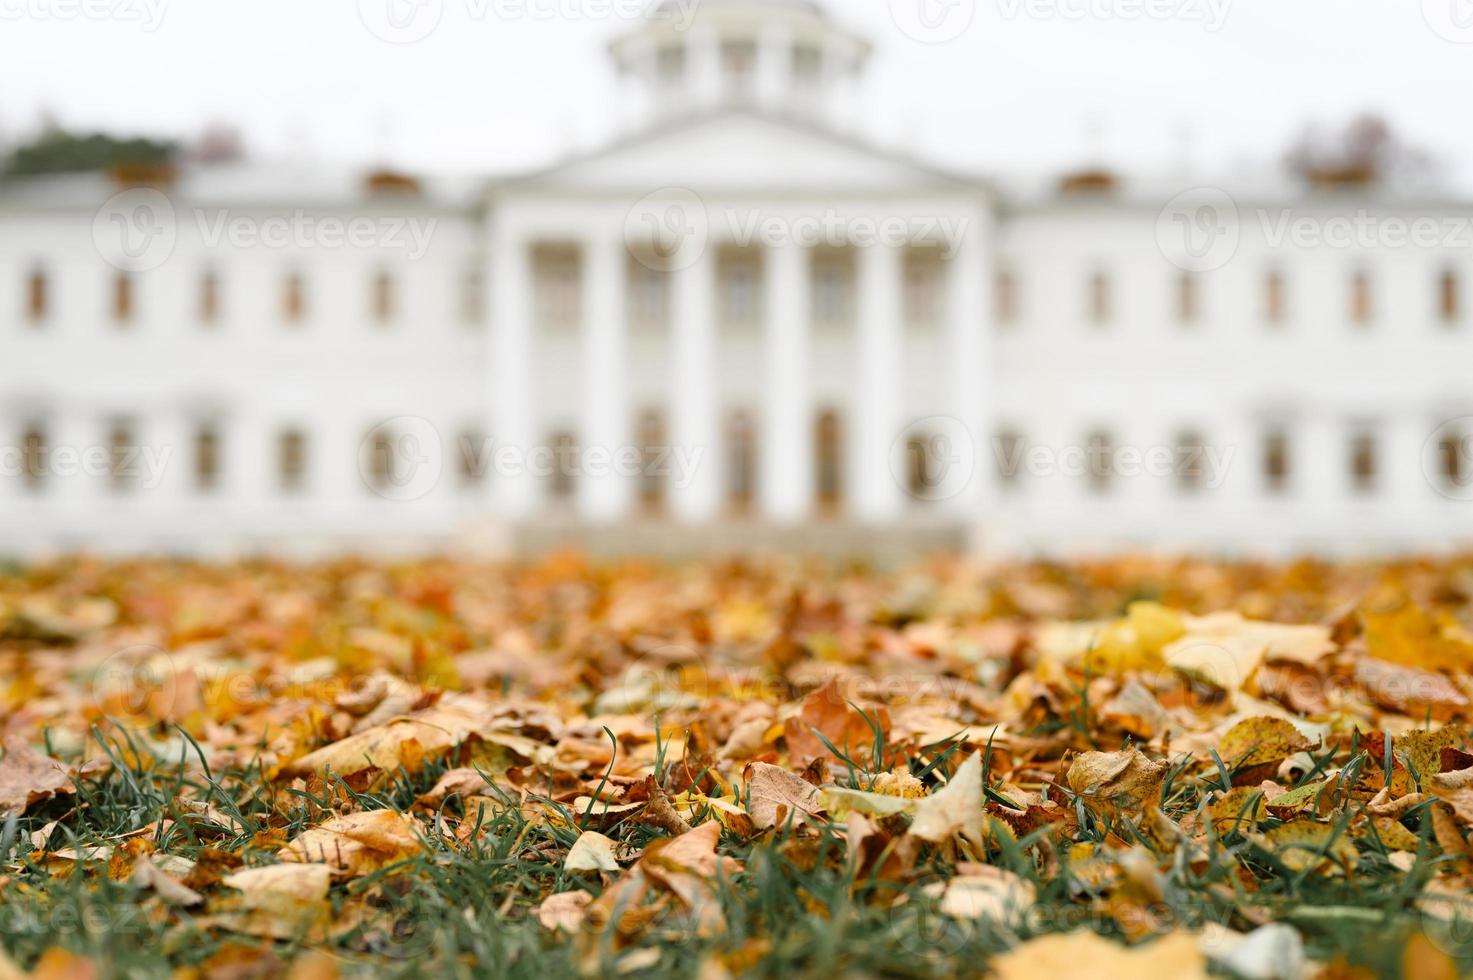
736 325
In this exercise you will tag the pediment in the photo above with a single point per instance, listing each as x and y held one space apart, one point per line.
738 152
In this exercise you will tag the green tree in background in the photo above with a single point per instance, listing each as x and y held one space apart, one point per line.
57 151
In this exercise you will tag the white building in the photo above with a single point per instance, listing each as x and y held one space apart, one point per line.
737 325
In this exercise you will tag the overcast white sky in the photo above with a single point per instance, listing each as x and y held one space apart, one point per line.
1020 88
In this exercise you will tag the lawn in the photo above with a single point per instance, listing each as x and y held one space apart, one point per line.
768 768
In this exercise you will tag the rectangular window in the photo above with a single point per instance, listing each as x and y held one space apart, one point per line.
670 66
291 460
383 298
1449 298
564 464
1453 460
122 299
1274 298
1101 456
807 66
925 282
1191 461
206 458
1187 299
558 287
33 458
1362 299
209 298
122 447
1363 463
1099 300
739 287
833 288
1276 462
473 298
1010 448
36 297
739 66
649 296
1005 297
473 458
294 299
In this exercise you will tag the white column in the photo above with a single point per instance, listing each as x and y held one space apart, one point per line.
512 427
703 65
695 485
787 431
603 492
774 66
1319 472
969 343
879 494
251 477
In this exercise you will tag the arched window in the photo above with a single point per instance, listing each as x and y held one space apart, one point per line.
829 465
653 461
741 441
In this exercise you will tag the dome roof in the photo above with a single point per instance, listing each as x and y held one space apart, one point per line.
804 6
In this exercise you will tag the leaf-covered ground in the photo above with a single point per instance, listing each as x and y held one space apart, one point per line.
731 769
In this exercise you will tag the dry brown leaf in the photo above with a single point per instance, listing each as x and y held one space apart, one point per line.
356 844
775 795
592 851
27 777
956 808
1117 782
566 911
1085 955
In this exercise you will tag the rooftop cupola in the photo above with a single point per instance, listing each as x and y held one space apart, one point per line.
698 55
